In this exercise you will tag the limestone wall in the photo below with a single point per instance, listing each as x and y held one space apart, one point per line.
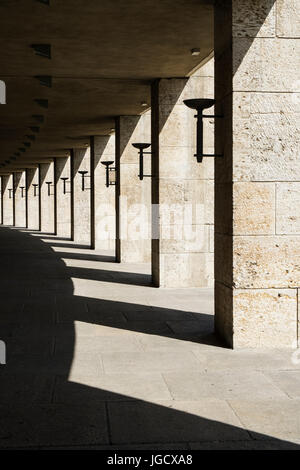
82 206
7 181
105 223
63 212
20 200
32 177
182 249
258 181
133 195
46 200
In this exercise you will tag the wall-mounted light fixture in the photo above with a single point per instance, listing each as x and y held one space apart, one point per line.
141 148
35 186
49 183
84 175
9 192
110 173
64 179
22 190
199 105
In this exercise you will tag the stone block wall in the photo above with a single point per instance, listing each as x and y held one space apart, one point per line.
8 204
133 207
32 177
258 182
63 201
82 199
105 212
182 249
20 200
46 171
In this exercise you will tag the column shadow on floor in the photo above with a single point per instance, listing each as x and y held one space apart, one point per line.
43 407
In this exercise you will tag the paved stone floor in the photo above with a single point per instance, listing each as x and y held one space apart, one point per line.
97 358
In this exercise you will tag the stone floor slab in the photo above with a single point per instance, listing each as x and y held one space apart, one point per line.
173 422
276 418
223 385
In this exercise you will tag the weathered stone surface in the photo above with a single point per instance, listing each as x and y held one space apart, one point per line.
265 64
266 262
168 421
220 384
183 190
63 200
186 269
20 199
134 201
253 208
33 200
287 19
253 18
105 212
184 159
288 208
184 238
47 201
224 311
270 418
7 201
265 318
266 140
82 210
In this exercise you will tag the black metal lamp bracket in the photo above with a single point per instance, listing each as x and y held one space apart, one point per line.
64 179
83 176
49 184
35 186
199 105
141 148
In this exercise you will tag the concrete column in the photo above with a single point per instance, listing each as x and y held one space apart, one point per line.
105 215
20 199
257 243
63 200
7 197
46 200
182 189
32 177
133 197
82 199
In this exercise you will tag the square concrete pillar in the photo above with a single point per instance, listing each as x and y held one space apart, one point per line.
82 198
7 200
182 189
63 197
133 203
20 199
105 212
32 178
257 243
46 196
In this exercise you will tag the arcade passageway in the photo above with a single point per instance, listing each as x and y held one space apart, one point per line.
97 358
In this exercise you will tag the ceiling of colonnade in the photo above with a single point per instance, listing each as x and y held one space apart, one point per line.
104 54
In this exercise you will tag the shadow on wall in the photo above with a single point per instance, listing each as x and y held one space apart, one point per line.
40 405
